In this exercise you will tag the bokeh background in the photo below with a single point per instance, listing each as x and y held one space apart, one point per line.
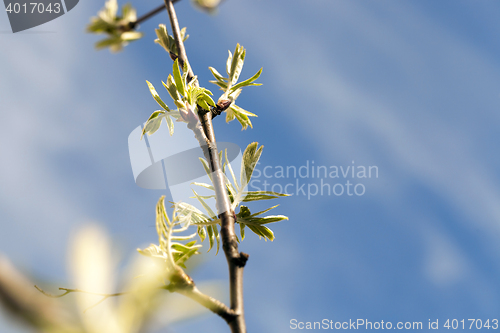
412 87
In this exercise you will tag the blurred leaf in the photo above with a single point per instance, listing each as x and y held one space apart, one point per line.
116 27
206 5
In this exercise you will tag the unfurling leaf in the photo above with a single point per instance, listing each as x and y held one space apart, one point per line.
248 82
179 82
157 97
262 195
153 123
242 115
262 231
255 222
170 248
232 89
167 41
251 157
237 60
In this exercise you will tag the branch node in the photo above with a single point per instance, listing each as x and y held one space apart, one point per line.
241 260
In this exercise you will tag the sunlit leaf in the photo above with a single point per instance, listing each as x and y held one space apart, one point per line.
179 83
248 82
251 156
262 231
237 61
262 195
157 97
154 122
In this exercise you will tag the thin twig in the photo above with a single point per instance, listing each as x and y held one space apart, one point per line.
148 15
181 286
210 303
169 4
68 290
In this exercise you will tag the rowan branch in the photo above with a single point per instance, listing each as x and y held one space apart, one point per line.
236 260
186 288
148 15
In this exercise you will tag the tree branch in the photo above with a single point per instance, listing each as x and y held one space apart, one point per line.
68 291
148 15
169 4
236 261
181 285
214 305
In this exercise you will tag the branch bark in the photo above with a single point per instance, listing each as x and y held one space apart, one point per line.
148 15
236 260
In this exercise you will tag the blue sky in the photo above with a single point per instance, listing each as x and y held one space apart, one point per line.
411 87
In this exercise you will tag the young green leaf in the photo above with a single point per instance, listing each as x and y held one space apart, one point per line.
248 82
170 125
262 231
242 231
179 83
251 156
157 97
202 233
262 195
217 75
237 61
205 205
172 91
153 123
228 64
170 249
242 117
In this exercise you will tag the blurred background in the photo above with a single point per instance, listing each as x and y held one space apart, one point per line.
411 87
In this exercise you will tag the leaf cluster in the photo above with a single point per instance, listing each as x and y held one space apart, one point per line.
170 248
236 190
232 89
117 27
187 97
